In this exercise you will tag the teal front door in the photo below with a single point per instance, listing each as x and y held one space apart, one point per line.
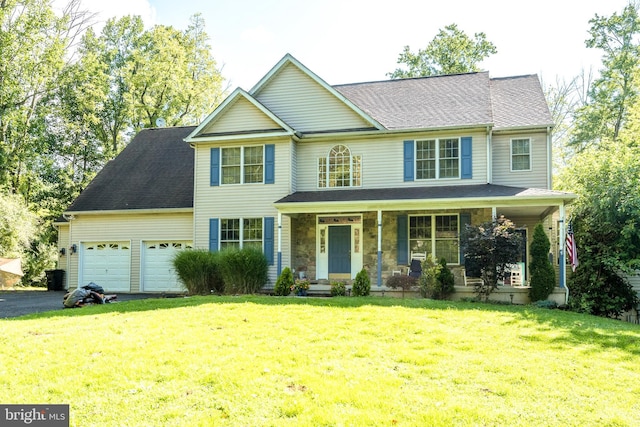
340 249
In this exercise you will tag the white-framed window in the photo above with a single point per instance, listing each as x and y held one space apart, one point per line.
339 168
521 154
438 158
242 165
437 235
240 233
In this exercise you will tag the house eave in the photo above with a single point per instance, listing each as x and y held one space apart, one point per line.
203 139
72 214
431 204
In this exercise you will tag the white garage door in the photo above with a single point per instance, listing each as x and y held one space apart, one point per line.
158 274
107 264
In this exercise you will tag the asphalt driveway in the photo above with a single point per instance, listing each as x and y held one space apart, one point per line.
19 303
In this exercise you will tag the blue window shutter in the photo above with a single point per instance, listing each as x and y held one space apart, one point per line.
465 158
269 164
268 238
215 167
465 219
214 242
403 240
409 162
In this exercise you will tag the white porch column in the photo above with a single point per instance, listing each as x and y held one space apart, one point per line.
279 266
561 254
379 248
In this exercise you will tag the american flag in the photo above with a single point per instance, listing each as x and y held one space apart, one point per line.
572 250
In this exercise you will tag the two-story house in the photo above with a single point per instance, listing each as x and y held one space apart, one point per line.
326 179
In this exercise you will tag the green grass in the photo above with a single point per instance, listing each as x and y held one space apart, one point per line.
271 361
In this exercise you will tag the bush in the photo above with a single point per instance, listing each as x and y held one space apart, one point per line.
428 281
446 281
338 289
404 282
362 284
199 271
284 283
543 276
244 270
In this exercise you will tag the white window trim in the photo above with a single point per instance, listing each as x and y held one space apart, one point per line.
437 166
433 233
241 230
242 148
511 156
327 178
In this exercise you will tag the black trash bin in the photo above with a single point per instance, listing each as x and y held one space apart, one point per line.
55 280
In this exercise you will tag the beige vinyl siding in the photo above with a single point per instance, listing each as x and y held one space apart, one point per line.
242 116
382 161
502 174
305 105
133 228
63 242
242 200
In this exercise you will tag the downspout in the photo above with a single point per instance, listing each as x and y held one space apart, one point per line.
549 161
379 248
69 218
561 252
489 155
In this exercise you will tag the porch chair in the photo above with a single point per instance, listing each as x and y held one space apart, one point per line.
415 268
420 256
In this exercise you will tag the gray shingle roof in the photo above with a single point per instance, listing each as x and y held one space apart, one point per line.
471 99
155 171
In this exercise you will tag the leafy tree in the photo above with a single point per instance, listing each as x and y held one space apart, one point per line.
605 225
17 226
543 276
616 89
451 51
489 248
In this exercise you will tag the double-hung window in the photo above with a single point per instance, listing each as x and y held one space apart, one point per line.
339 168
436 235
521 154
438 158
240 233
242 165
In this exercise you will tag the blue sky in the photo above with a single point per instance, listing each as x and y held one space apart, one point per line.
346 41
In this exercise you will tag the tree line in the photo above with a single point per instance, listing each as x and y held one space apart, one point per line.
71 98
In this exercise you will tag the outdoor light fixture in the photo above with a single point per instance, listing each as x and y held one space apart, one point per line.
63 251
73 249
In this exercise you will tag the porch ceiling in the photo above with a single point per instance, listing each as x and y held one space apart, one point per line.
509 200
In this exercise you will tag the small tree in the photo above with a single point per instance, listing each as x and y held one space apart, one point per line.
543 277
446 281
284 282
362 284
490 247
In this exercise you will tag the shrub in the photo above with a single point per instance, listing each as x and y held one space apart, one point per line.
199 271
338 289
543 276
404 282
362 284
428 281
284 282
445 281
244 270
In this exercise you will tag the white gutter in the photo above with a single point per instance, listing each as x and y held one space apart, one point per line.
131 211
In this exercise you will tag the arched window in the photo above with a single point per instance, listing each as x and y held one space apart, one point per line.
339 168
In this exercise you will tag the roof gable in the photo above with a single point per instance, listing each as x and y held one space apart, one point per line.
154 171
239 114
519 102
306 102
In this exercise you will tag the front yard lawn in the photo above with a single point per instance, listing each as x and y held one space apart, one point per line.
271 361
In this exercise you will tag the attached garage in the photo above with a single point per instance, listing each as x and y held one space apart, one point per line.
107 264
158 274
